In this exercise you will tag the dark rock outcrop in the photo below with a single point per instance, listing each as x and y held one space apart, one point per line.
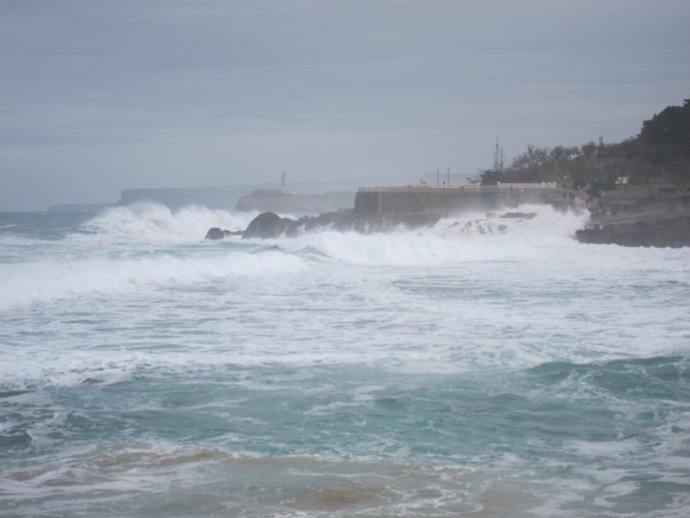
269 225
217 233
646 230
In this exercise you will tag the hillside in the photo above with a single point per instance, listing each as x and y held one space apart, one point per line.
654 162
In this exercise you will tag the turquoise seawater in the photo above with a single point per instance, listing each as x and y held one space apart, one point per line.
486 367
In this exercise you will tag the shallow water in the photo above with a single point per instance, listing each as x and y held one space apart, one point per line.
486 367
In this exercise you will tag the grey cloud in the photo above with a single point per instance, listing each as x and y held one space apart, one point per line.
365 85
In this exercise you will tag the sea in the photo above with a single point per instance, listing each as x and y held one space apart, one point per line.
490 366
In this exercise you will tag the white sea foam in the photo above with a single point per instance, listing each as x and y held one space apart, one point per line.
25 283
532 221
466 238
157 223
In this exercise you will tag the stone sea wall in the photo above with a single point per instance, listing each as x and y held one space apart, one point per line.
279 200
411 200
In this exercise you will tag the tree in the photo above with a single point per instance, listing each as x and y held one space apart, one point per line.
589 149
667 135
662 149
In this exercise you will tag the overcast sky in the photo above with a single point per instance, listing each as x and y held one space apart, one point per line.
98 96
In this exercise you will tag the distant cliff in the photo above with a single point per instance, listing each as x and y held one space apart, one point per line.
79 207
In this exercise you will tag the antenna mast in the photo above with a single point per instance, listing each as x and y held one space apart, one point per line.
498 157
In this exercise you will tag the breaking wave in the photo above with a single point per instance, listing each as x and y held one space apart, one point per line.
44 281
155 222
468 238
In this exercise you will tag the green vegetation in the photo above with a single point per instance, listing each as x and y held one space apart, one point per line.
657 158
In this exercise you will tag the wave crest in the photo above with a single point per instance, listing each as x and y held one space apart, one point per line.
152 221
47 281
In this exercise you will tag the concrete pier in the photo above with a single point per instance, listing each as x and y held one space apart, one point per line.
466 198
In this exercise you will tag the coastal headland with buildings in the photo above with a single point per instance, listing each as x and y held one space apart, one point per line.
637 192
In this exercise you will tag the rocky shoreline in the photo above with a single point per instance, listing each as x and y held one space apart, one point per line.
625 216
269 225
652 229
